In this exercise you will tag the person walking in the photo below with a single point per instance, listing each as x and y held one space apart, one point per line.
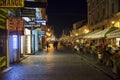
55 44
47 45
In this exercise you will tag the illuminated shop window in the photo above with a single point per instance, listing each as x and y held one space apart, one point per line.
14 41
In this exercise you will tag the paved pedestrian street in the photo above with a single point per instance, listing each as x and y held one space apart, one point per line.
54 65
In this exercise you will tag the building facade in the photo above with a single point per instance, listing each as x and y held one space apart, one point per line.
102 12
79 28
12 45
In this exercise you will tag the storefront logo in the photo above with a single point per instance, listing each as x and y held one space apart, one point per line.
11 3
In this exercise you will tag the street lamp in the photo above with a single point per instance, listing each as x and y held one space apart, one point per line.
113 22
48 29
76 34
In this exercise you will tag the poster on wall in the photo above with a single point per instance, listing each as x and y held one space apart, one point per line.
15 26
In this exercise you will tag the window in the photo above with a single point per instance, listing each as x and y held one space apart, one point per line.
103 27
103 14
112 8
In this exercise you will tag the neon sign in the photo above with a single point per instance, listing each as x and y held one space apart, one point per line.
11 3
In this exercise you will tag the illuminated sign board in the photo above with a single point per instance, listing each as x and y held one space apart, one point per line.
11 3
41 32
42 22
31 24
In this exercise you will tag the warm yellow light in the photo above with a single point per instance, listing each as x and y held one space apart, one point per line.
48 34
76 34
119 24
113 22
77 41
48 29
86 31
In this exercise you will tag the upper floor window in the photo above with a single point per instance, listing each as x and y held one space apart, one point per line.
112 8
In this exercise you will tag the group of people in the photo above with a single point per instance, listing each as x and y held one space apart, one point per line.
55 44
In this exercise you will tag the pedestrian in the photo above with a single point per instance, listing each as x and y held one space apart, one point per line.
55 44
47 45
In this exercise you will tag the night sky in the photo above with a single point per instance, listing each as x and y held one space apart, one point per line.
62 14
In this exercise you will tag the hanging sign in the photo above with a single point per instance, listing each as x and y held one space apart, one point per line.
26 12
15 25
11 3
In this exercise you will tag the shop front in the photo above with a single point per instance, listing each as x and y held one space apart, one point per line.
41 39
28 42
15 31
14 48
32 41
114 36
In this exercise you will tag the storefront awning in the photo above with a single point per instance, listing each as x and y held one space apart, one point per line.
103 33
114 34
90 35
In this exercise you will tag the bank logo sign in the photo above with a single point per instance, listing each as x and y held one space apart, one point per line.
11 3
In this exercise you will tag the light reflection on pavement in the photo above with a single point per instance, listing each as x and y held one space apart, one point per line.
53 65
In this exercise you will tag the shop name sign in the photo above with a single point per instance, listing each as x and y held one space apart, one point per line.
11 3
31 24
